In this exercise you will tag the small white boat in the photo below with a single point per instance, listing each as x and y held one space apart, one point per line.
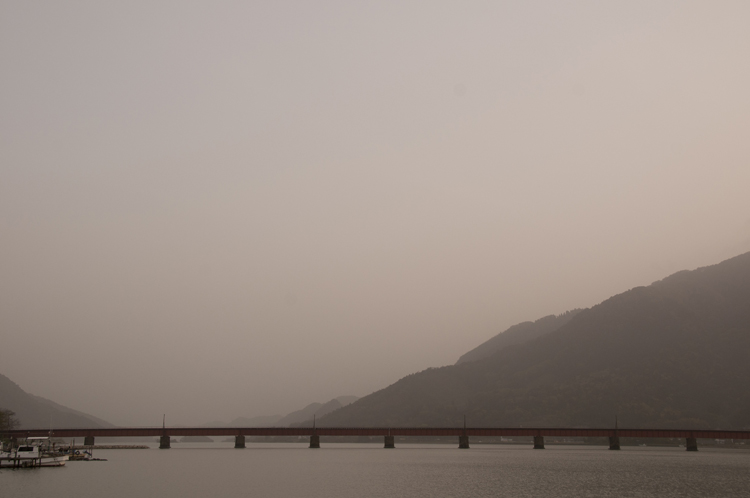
34 452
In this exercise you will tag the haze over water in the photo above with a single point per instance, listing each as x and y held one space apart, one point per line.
368 471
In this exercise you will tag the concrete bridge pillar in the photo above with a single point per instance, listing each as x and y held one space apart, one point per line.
239 441
314 441
691 444
165 443
538 442
614 442
389 442
463 442
88 441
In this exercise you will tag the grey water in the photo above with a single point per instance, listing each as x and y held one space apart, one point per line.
368 470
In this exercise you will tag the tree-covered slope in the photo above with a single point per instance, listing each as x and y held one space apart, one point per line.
673 354
518 334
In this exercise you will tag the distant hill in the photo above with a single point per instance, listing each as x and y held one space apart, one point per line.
347 400
673 354
518 334
297 418
304 417
34 412
261 421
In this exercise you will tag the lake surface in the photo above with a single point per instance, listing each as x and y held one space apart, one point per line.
367 470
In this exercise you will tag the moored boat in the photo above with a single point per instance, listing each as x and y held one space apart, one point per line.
33 452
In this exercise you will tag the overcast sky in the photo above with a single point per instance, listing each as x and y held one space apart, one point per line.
221 209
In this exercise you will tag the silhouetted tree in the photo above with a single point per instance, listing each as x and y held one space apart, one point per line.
8 420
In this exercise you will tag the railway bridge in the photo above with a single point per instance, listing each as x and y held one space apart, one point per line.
462 433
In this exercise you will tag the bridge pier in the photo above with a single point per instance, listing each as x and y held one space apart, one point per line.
389 442
165 443
691 444
538 442
314 441
239 441
88 441
463 442
614 442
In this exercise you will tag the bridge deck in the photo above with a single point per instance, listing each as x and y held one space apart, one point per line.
376 431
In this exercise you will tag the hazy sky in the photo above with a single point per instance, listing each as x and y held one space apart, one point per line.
221 209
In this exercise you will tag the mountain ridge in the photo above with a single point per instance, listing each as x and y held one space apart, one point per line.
673 354
517 334
37 412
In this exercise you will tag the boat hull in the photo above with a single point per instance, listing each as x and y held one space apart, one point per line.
12 462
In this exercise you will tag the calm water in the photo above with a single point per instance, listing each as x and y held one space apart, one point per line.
364 470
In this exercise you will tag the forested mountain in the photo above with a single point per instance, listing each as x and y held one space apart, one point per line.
673 354
518 334
35 412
